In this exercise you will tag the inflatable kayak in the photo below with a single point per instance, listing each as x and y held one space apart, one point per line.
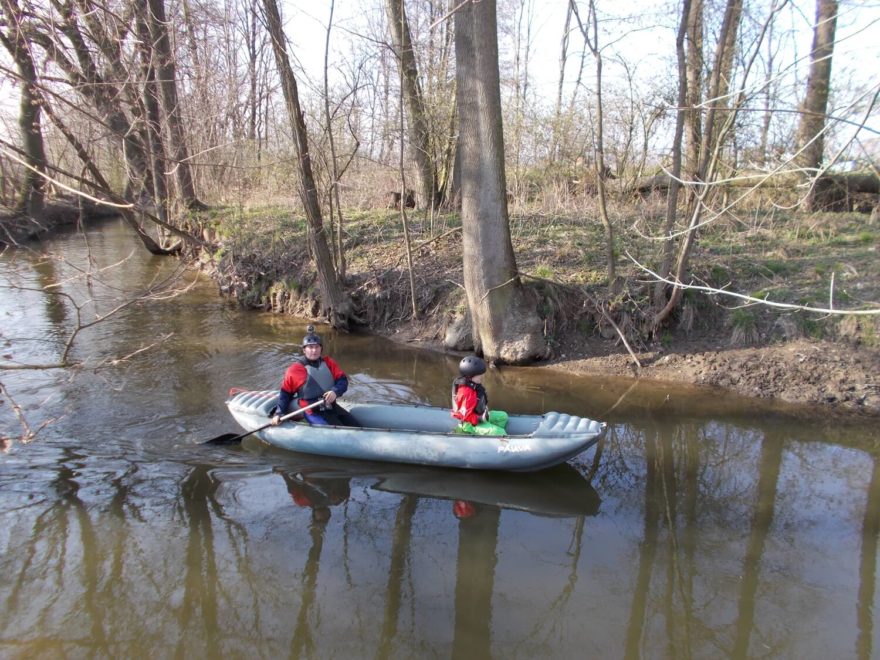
423 435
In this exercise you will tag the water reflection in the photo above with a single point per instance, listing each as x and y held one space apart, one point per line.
561 491
317 493
868 566
690 531
285 542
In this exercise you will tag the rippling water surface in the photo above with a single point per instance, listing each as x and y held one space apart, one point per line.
703 526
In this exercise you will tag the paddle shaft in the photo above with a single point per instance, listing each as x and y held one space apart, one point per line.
224 439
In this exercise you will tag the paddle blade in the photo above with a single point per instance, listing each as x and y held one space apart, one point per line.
225 439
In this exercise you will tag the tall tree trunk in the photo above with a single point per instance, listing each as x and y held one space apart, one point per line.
417 120
155 145
693 123
557 113
709 149
721 89
769 95
33 185
335 240
811 141
167 75
335 305
710 146
590 33
505 322
659 298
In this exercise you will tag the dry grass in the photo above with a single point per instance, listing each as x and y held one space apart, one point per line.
782 257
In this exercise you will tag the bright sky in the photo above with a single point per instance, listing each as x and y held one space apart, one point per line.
641 32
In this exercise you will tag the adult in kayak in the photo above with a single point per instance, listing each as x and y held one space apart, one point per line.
470 403
311 377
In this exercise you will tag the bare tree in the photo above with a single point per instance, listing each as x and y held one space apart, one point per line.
710 146
505 322
658 295
167 82
590 33
31 195
811 140
694 66
563 60
335 304
417 116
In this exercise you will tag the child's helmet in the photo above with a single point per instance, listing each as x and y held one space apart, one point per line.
471 366
311 338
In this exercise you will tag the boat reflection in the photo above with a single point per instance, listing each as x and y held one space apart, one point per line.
323 482
556 492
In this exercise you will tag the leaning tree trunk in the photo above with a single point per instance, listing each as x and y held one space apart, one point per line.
84 76
335 304
32 194
420 140
505 322
811 141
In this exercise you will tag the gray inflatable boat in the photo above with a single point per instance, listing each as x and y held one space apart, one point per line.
423 435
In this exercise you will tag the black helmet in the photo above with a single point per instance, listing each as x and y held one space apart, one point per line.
471 366
311 338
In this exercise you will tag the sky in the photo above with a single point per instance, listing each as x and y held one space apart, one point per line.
641 32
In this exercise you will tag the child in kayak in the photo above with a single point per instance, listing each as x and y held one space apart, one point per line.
470 403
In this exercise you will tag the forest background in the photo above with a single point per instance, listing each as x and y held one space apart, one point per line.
675 179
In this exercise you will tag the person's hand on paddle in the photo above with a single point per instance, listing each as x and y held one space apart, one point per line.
276 420
329 397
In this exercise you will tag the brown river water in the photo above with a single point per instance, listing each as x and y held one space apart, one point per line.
700 527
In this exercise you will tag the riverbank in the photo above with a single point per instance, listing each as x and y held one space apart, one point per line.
833 379
831 362
828 362
59 214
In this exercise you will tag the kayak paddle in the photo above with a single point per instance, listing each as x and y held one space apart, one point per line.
229 438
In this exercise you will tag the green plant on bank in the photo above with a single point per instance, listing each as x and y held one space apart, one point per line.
810 327
585 326
744 327
870 336
544 272
777 267
719 275
853 239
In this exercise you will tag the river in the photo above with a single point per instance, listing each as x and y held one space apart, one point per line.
702 526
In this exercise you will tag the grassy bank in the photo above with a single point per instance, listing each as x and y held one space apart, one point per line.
821 260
